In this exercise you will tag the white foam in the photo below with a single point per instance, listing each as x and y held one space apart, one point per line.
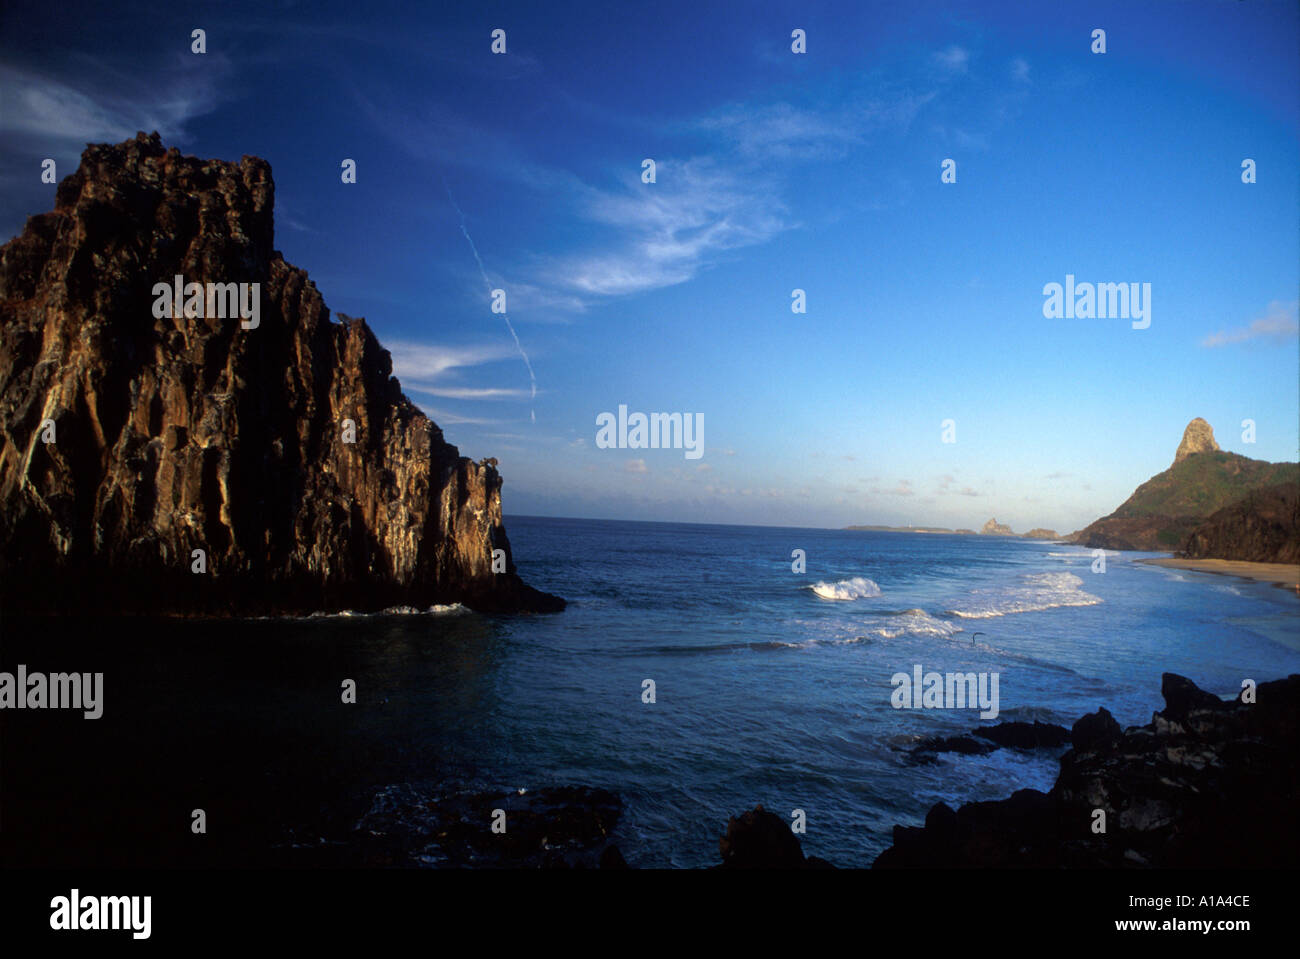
918 623
453 609
859 587
1037 591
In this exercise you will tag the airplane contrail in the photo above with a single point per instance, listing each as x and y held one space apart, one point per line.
488 283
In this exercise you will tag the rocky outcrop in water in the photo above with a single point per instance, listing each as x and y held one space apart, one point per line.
1206 784
994 528
759 839
985 739
237 451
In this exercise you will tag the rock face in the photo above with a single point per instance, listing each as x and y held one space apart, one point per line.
994 528
1262 527
1164 510
1206 784
759 839
985 739
287 453
1197 438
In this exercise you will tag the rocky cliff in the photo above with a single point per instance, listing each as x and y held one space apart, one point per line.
994 528
1262 527
186 458
1206 784
1165 509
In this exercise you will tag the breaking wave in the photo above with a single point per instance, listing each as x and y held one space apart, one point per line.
916 622
1038 591
859 587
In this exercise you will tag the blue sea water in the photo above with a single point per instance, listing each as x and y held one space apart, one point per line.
775 687
772 687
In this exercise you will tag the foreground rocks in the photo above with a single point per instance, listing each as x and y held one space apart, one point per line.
1206 784
560 827
759 839
287 453
985 739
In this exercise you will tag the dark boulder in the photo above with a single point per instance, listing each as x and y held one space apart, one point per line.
1095 729
759 839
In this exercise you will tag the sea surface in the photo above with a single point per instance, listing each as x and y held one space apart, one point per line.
770 686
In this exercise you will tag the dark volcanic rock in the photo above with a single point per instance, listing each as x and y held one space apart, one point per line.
1017 735
611 858
1261 527
555 827
981 741
1095 729
760 840
1207 784
181 433
1182 696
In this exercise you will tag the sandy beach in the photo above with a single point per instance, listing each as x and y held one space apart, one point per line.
1281 574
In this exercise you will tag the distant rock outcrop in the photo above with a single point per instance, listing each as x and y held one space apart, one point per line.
994 528
1164 510
1197 438
176 461
1206 784
1039 533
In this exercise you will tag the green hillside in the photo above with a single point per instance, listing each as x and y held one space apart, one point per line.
1204 483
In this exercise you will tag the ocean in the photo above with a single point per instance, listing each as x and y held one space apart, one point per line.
770 686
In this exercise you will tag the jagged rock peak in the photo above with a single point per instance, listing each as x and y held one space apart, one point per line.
240 452
1197 438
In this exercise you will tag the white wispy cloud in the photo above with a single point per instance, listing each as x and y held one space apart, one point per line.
102 103
670 230
954 58
1280 322
446 417
420 362
475 393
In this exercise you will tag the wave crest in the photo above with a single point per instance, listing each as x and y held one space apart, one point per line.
859 587
1038 591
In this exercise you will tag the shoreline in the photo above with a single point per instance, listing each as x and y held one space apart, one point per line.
1283 575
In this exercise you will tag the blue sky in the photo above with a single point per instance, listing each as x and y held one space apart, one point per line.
775 171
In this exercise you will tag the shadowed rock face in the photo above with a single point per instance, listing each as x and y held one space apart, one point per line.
1262 527
1206 784
180 433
